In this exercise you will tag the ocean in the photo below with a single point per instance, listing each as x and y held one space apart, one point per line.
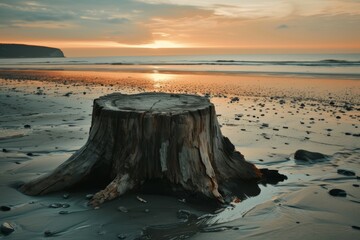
336 65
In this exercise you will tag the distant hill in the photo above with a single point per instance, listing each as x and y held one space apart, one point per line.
28 51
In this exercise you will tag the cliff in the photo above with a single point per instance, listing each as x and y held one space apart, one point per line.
28 51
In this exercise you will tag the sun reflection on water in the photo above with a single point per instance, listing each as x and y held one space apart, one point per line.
160 79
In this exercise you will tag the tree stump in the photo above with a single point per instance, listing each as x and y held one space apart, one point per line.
135 138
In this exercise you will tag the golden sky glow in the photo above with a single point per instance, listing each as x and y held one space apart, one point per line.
90 27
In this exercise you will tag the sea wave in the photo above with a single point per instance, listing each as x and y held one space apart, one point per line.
177 62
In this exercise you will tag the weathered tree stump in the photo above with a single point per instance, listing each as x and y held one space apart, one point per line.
135 138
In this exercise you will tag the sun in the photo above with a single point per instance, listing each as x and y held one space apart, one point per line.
161 44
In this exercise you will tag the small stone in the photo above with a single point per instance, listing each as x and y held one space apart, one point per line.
89 196
5 208
308 156
183 214
345 172
121 236
337 192
27 126
6 228
66 205
67 94
356 185
48 233
122 209
55 205
265 125
64 212
338 117
282 101
356 227
235 99
66 196
30 154
141 199
5 150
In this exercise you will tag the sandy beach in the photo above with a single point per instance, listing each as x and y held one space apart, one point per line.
45 117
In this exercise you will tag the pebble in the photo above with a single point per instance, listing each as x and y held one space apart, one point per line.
89 196
5 208
64 212
5 150
48 233
55 205
307 155
6 228
345 172
121 236
66 205
66 196
183 214
235 99
356 185
27 126
337 192
141 199
123 209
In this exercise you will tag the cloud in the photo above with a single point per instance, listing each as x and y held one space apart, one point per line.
268 8
117 20
282 26
204 23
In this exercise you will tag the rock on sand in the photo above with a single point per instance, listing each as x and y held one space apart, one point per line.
308 156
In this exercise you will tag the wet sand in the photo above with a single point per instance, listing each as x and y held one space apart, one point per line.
45 117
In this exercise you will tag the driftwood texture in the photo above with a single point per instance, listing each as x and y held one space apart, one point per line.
135 138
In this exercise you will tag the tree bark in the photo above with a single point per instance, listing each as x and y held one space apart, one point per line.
135 138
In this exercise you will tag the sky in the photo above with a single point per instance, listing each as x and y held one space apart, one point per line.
167 27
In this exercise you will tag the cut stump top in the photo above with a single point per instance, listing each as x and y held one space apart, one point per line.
153 102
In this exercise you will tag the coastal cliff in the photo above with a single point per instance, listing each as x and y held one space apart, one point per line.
28 51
